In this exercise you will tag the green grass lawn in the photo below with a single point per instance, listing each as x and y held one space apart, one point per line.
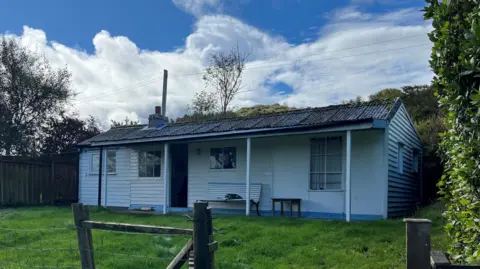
244 242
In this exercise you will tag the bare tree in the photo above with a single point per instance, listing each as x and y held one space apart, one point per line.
30 93
224 73
204 103
125 122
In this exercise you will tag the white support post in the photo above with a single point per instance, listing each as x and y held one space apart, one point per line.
105 173
165 176
249 145
347 176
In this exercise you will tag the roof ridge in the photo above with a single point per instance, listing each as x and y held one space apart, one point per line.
127 126
296 110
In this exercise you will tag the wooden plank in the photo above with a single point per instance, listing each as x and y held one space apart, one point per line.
84 236
135 228
213 246
438 258
181 257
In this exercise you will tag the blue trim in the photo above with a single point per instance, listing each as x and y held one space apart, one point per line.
264 213
380 124
180 209
138 206
365 217
232 183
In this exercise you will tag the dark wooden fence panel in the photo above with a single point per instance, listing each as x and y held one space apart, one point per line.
24 182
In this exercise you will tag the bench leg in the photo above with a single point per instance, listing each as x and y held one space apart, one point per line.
256 206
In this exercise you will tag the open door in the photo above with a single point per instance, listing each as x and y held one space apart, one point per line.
179 175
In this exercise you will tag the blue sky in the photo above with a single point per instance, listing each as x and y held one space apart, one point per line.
112 45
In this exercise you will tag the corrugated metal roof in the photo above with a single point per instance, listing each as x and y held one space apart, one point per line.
314 117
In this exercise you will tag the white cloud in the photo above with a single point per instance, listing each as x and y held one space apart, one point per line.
119 79
199 7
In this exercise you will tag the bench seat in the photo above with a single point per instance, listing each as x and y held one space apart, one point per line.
217 192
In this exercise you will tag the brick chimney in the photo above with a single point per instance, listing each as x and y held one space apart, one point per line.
157 120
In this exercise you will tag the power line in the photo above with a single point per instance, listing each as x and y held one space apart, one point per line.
320 60
355 47
258 67
91 98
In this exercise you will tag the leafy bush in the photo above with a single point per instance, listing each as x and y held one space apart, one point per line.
455 60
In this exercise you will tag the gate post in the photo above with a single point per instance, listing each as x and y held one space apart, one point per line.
200 236
84 236
418 243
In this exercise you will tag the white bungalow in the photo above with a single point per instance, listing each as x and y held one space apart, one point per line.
348 162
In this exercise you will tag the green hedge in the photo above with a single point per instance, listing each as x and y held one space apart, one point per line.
455 60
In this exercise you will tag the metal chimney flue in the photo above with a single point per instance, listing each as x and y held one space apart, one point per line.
164 94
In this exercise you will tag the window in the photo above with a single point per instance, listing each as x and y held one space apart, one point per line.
95 163
223 158
149 163
400 158
326 163
111 161
416 161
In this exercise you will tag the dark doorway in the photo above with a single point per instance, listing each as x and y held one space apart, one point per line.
179 175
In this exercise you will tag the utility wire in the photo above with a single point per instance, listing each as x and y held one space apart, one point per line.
91 98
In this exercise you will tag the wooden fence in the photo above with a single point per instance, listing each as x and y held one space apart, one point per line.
199 251
29 182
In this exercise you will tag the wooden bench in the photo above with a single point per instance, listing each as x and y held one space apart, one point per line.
218 193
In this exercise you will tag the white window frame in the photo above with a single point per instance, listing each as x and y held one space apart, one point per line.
342 157
223 150
115 156
154 164
401 158
92 158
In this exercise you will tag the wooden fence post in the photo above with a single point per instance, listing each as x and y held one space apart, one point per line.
210 238
200 236
84 236
418 243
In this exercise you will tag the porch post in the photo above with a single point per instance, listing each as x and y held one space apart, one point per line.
247 200
166 155
347 176
105 173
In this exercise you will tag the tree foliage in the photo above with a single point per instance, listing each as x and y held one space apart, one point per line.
204 103
224 74
262 109
61 134
455 59
30 92
125 122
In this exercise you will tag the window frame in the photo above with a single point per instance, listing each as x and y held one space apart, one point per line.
90 167
139 164
401 158
109 151
325 173
223 152
416 157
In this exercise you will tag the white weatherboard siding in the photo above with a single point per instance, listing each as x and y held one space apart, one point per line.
118 184
124 188
145 191
403 189
88 183
367 173
117 192
282 166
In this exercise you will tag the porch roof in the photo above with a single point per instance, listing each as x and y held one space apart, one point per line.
301 119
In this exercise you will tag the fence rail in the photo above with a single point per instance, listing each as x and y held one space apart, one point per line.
28 182
199 251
